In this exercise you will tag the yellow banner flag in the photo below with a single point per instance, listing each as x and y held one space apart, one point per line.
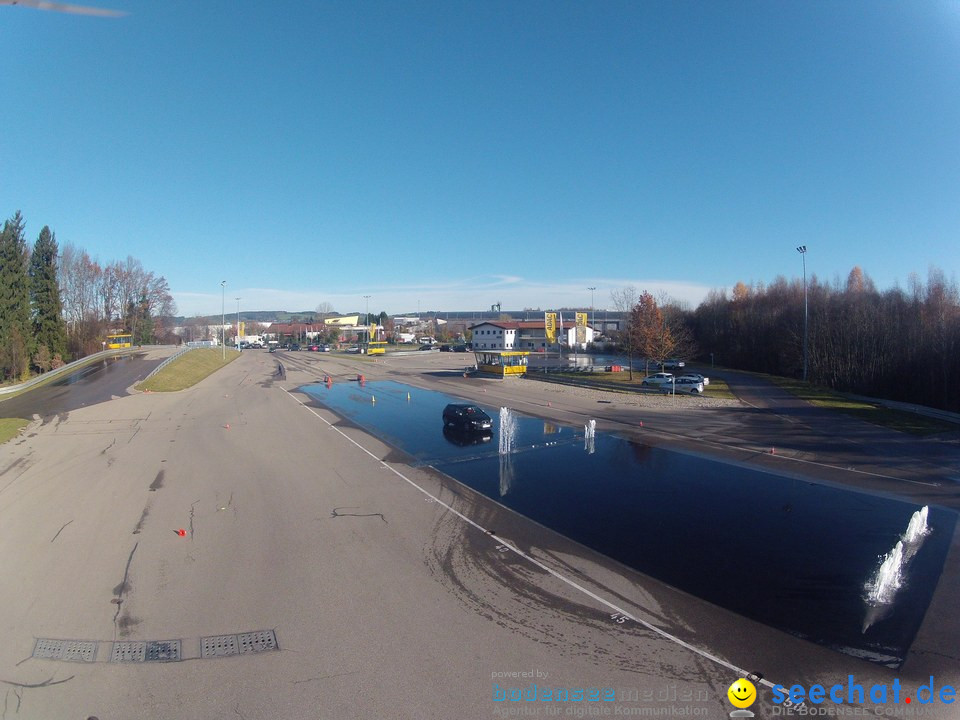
550 327
242 332
581 328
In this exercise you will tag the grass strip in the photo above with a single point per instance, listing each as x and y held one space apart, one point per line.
188 369
11 427
899 420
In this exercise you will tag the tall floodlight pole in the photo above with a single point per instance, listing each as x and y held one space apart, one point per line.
592 311
223 332
803 254
238 324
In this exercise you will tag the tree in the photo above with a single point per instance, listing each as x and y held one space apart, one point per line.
324 309
48 326
624 301
649 330
16 333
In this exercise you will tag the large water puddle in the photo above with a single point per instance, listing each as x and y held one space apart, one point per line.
845 569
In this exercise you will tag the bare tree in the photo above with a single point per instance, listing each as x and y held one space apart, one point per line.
624 300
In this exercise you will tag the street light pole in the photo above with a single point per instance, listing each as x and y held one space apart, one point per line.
592 311
238 324
803 254
223 332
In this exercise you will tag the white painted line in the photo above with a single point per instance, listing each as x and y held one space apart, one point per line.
500 541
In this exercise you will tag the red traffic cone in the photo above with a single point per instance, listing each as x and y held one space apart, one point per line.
181 532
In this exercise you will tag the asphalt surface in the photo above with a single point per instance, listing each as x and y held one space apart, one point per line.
98 382
392 591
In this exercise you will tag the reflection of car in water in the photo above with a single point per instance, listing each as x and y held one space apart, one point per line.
463 438
468 418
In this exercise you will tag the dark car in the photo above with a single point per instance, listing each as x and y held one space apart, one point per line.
459 348
466 418
446 348
294 346
426 347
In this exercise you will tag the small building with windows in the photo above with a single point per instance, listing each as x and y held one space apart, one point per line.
526 335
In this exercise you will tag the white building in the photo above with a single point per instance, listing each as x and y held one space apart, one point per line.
527 335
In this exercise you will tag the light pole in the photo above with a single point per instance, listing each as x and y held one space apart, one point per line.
592 311
367 319
238 324
803 254
223 333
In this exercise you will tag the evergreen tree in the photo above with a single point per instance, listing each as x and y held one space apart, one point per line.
48 327
16 336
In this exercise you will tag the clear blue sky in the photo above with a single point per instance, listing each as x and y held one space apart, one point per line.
457 154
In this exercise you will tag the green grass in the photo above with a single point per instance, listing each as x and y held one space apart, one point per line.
716 388
188 369
11 427
898 420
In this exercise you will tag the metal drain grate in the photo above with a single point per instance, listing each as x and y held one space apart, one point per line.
218 646
241 644
69 650
258 641
162 651
129 652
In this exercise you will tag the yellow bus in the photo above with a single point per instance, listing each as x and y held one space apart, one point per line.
376 347
505 363
119 340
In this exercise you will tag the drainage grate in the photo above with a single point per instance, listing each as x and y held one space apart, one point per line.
258 641
129 652
218 646
69 650
162 651
251 642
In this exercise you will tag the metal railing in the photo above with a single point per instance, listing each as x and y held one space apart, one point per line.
169 360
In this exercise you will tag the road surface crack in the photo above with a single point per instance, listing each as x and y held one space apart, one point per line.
122 588
335 513
60 530
192 510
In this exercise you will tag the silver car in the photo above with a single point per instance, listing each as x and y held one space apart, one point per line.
658 379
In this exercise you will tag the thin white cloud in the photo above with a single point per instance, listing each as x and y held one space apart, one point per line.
464 294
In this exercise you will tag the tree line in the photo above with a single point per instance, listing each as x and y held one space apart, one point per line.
56 307
899 344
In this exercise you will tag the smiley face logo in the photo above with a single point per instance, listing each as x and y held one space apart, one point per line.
742 693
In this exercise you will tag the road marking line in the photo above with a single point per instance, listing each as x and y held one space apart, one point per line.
500 541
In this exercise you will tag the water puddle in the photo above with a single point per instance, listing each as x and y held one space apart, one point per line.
810 559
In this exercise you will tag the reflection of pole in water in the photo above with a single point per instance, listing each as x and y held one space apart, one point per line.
589 433
508 427
881 590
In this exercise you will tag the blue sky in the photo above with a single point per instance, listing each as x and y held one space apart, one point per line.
451 155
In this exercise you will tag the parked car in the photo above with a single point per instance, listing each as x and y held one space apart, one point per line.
658 379
294 347
673 364
690 386
446 348
354 349
466 418
696 377
324 348
313 348
426 347
459 348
